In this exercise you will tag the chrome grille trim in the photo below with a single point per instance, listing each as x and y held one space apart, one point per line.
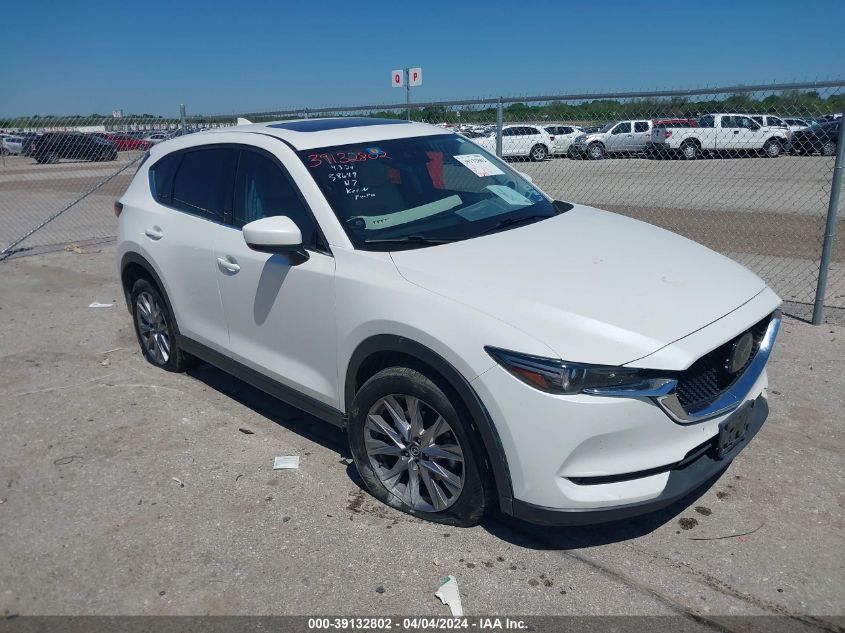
732 397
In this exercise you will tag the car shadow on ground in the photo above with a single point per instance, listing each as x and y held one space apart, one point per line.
291 418
501 526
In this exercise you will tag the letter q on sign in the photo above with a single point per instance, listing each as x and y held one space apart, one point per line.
397 78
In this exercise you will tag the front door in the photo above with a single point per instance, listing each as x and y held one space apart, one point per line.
620 137
280 313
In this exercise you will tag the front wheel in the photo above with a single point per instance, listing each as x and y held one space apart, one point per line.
596 151
772 148
829 148
416 450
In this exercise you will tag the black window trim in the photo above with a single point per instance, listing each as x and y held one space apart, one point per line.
322 245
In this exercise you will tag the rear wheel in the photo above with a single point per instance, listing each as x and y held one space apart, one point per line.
829 148
156 329
415 449
539 153
772 148
690 150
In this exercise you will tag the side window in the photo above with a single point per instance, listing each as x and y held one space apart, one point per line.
622 128
161 178
759 119
641 126
566 130
203 182
511 131
729 121
707 121
263 190
773 120
747 123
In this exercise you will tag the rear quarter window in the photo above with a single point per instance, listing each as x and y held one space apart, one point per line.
161 178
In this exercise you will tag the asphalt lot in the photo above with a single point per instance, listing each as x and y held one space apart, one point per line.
92 520
768 214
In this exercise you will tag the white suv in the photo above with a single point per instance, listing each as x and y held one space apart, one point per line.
482 344
525 141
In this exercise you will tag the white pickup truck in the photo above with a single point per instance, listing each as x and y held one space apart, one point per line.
718 133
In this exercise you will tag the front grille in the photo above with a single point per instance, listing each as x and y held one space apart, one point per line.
707 377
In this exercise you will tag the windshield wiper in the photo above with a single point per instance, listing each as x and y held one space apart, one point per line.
501 224
412 239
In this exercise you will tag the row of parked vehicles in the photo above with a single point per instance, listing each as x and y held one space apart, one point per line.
687 138
95 146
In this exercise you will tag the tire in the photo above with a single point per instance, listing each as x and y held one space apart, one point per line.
829 148
156 330
596 151
389 459
538 153
51 158
772 148
690 150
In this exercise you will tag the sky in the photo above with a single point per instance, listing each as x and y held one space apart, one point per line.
245 56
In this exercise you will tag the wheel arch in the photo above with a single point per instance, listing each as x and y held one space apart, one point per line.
133 267
386 350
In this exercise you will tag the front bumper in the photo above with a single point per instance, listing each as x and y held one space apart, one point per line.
587 459
684 478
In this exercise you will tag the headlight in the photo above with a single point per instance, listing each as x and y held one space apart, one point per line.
557 376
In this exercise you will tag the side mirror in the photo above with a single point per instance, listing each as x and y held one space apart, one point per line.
276 234
526 176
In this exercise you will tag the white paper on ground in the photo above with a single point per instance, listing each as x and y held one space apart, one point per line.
286 461
479 165
450 596
96 304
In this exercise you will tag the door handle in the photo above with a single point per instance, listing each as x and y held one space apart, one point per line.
736 131
228 265
154 233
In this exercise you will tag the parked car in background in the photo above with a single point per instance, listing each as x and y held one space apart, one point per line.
563 135
769 120
529 141
128 143
12 144
818 137
309 257
53 146
156 137
718 133
796 124
826 118
623 137
675 122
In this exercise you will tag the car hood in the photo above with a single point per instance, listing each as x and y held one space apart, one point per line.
593 286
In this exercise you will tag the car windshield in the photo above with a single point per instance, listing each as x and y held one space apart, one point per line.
413 192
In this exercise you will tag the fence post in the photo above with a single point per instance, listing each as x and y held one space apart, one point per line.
499 118
182 118
830 226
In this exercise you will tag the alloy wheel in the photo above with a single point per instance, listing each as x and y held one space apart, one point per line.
414 452
152 328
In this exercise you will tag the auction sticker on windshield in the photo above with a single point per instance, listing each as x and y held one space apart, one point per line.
479 165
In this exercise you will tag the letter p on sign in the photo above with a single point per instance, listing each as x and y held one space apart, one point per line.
397 78
415 76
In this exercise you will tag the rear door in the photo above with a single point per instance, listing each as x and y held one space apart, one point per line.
193 192
728 133
641 135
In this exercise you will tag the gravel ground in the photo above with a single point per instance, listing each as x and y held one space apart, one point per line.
94 521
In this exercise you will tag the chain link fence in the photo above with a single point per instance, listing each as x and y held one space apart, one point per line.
747 171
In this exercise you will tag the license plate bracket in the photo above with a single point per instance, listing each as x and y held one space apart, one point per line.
734 429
